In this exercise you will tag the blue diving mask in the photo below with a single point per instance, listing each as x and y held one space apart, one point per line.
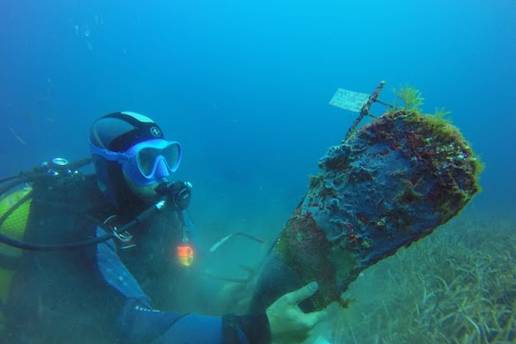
146 162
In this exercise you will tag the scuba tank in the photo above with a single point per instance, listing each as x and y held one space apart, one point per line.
59 172
15 208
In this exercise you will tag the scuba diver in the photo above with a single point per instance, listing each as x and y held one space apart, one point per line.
90 258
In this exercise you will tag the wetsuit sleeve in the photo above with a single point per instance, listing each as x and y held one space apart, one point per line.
246 329
138 322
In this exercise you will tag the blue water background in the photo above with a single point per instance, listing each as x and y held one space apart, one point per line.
245 85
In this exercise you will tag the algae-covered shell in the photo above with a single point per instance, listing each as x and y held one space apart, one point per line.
392 183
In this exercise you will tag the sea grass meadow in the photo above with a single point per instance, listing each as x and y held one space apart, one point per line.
245 86
456 286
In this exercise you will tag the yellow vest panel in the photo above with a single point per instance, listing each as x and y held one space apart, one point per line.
14 227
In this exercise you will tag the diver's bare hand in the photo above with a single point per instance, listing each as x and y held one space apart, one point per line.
288 323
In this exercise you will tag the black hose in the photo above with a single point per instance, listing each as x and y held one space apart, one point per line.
43 247
23 177
8 179
55 247
79 163
31 176
13 183
72 245
14 207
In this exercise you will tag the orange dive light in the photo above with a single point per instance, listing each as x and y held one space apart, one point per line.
185 254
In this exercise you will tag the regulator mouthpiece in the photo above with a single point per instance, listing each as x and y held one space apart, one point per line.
178 193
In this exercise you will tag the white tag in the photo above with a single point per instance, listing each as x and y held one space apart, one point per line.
349 100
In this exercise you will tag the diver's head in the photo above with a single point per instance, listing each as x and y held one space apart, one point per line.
131 156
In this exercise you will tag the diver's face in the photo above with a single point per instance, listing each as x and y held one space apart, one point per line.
146 193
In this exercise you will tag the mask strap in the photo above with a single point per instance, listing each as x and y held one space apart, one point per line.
107 154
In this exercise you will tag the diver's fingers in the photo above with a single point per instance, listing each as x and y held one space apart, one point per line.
312 319
299 295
